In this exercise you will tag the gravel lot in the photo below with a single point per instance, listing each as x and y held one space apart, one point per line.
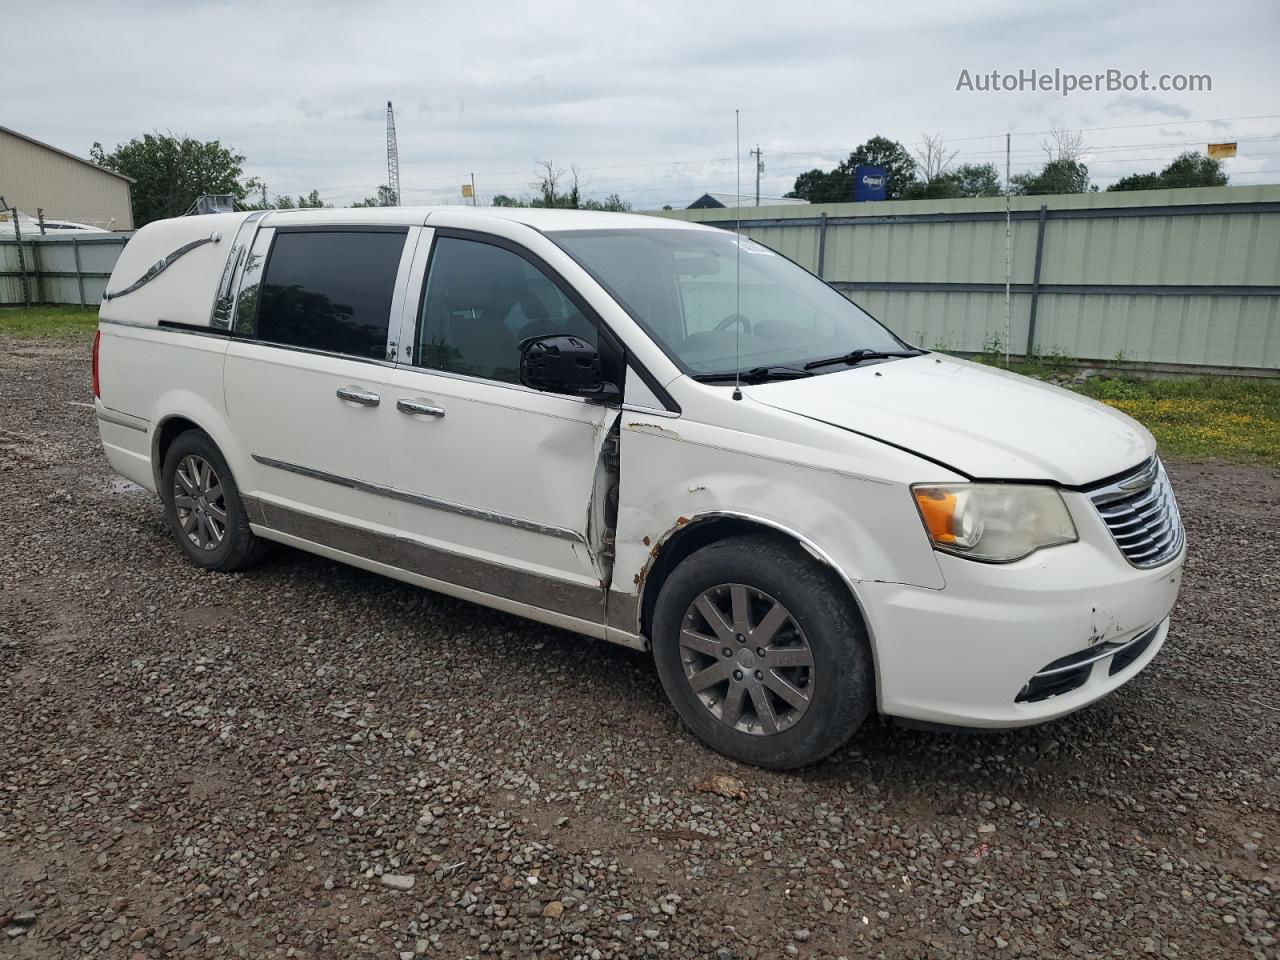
309 760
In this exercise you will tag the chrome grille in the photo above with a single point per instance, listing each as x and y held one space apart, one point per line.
1140 511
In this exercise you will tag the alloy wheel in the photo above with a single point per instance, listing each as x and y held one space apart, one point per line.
200 502
746 659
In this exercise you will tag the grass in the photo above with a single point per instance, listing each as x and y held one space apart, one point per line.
63 321
1235 420
1232 419
1206 418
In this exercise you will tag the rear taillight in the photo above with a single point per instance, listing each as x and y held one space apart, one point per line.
97 342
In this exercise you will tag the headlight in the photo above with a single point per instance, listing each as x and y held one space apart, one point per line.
996 522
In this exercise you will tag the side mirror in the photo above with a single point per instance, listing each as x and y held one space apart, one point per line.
563 363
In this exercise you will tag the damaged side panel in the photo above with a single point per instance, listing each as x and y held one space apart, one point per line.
675 472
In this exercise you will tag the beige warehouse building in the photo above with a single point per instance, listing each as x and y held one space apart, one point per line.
35 176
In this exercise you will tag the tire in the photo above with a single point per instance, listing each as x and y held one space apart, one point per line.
836 690
228 543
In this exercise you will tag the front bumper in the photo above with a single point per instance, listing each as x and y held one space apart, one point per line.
968 654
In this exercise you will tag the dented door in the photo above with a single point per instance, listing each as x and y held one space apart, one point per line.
502 478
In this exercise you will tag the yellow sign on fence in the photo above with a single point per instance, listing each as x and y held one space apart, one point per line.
1218 150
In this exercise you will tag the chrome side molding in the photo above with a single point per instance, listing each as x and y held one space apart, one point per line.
421 500
161 265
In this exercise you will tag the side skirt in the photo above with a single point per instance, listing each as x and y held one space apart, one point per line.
576 607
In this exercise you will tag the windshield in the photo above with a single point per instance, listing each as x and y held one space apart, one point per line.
682 287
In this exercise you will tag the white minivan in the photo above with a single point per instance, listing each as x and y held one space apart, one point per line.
660 434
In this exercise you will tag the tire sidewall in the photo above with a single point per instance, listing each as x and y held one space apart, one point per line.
843 684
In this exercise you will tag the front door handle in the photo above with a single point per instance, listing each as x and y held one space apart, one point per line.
356 395
419 408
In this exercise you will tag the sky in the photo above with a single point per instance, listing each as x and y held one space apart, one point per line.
639 96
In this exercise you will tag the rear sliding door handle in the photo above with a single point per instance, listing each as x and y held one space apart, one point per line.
419 408
356 395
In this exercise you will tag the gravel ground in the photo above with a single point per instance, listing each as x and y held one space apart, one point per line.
309 760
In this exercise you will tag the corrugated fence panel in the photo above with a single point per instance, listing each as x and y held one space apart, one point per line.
53 275
1187 277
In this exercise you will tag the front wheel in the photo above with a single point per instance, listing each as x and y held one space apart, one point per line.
763 652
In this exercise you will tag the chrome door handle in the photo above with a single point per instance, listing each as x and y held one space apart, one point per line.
356 395
419 407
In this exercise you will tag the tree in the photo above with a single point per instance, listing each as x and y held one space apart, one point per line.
555 188
286 202
1188 169
966 180
815 186
977 180
612 202
933 158
170 173
386 198
818 186
1056 176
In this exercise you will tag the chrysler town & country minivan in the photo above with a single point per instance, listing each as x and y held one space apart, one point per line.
659 434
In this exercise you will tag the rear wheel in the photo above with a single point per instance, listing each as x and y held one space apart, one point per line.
203 506
763 652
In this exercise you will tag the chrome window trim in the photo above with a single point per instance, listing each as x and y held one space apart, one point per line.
312 351
246 295
395 322
418 281
448 506
224 299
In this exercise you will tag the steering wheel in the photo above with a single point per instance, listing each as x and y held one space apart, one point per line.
732 319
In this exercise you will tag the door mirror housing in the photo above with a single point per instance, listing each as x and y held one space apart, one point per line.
563 363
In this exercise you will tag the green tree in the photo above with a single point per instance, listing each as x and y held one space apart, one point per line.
286 202
386 198
977 180
555 188
612 202
170 173
966 180
817 186
1056 176
1188 169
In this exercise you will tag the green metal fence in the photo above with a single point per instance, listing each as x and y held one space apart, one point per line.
1170 278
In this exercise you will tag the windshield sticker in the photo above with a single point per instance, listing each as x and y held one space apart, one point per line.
750 246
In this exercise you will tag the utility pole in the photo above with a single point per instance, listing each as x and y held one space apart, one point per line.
264 194
474 201
1008 247
759 167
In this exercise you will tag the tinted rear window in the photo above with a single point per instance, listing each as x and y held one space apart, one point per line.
330 290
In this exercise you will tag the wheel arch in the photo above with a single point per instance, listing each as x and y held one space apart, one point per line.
168 430
705 529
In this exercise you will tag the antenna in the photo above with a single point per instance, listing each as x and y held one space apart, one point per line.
393 159
737 261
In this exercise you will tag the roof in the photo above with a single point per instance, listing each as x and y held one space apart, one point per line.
69 156
539 218
743 200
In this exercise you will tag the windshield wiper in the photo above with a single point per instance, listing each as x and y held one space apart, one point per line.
858 356
755 375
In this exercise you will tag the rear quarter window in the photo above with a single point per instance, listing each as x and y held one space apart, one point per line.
330 290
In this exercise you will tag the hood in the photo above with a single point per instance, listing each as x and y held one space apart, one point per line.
984 422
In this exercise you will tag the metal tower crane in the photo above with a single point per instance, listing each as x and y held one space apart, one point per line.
393 158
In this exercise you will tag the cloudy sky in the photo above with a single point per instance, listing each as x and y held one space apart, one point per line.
640 96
